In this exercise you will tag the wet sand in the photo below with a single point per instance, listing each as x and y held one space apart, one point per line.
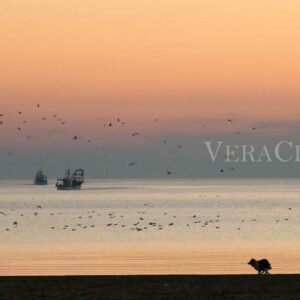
151 287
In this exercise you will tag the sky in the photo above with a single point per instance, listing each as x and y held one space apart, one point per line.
184 62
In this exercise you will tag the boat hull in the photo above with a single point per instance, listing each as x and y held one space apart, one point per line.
68 188
41 183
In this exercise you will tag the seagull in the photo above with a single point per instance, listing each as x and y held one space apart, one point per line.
135 134
169 172
75 137
38 105
229 120
132 164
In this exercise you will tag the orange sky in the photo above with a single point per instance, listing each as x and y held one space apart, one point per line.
172 59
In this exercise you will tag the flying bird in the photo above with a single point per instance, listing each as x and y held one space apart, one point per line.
169 172
229 120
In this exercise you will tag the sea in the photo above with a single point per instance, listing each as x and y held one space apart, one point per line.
161 226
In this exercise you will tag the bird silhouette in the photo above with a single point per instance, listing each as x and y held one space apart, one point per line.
169 172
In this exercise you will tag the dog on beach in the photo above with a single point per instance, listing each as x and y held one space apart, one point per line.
261 266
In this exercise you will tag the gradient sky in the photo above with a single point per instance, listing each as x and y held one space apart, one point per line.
186 62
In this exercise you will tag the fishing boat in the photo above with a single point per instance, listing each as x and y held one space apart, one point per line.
71 182
40 178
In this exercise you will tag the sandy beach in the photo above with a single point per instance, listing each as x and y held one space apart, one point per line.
152 287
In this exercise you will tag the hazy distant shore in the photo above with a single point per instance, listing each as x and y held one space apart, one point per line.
152 287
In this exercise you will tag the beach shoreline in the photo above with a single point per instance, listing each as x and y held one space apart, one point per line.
151 287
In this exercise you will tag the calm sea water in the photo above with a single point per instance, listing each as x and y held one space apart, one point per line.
149 226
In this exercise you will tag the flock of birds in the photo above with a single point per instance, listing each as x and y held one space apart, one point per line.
62 122
143 220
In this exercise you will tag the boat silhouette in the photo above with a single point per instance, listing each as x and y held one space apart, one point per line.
71 182
40 178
